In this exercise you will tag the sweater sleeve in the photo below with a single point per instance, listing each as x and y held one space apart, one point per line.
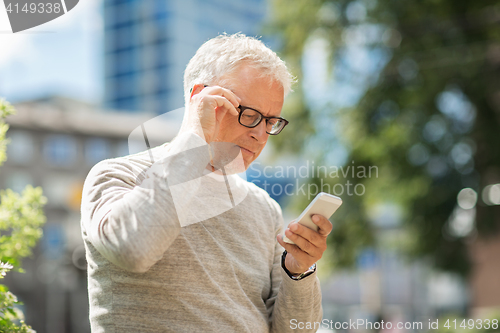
292 302
133 209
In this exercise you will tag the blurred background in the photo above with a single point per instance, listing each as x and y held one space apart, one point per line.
396 110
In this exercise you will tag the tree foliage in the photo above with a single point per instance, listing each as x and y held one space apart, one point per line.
428 116
21 219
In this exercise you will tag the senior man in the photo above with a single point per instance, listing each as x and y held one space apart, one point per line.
176 241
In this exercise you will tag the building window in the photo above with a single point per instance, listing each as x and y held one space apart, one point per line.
60 150
18 180
124 62
61 190
96 149
21 147
122 149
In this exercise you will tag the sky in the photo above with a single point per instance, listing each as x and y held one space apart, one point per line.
62 57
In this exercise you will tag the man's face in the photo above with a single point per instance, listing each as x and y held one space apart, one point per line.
262 94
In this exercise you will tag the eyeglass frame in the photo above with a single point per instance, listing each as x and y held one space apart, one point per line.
242 108
261 116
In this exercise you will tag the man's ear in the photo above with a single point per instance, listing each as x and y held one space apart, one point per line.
196 89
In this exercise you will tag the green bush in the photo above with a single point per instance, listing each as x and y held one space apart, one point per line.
21 220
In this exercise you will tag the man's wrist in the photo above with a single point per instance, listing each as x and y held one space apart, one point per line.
298 276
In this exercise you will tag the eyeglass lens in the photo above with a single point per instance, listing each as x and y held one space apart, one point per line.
251 118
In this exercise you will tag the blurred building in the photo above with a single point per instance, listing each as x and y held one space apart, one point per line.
149 43
54 143
484 279
386 286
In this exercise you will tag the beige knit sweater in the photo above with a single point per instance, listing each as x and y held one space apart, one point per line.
156 265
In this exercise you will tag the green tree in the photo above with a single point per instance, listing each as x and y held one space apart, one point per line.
21 219
427 114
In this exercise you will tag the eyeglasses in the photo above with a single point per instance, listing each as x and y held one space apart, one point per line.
251 118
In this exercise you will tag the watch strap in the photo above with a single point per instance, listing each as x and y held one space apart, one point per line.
311 269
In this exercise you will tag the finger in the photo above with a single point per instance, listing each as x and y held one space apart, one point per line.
295 251
224 105
284 244
228 94
310 235
324 225
302 243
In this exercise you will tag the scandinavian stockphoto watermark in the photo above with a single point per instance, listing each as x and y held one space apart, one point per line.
26 14
219 168
365 324
187 166
336 180
358 324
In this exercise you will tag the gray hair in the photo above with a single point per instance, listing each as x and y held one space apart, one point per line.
221 56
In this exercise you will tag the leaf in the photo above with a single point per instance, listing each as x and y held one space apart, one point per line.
21 220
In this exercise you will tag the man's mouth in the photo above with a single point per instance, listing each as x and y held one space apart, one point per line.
246 150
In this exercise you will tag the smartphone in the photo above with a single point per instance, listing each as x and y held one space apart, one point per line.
323 204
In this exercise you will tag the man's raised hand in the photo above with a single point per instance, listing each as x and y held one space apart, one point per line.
206 109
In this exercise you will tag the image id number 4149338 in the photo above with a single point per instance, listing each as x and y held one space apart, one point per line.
47 8
472 324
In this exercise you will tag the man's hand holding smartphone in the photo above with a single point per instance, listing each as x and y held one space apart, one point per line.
309 245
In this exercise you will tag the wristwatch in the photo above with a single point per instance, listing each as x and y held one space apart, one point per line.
311 269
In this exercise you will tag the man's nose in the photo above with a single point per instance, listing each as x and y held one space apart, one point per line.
259 132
